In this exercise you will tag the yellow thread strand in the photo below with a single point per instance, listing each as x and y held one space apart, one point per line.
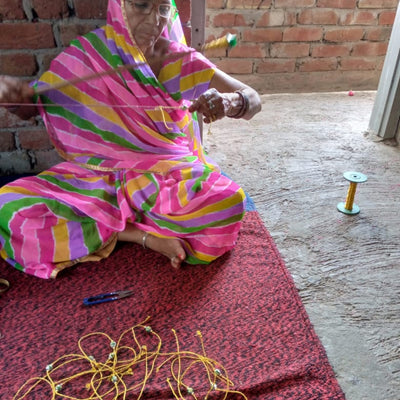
161 108
209 133
350 196
127 366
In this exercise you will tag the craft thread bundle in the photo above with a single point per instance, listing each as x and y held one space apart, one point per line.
126 366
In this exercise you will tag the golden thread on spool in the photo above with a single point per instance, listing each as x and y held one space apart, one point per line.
220 43
351 193
349 207
224 42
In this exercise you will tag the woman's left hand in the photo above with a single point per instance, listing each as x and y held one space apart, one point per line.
212 104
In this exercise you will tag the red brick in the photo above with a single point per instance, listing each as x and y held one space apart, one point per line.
276 66
215 4
294 3
271 18
70 31
11 10
247 51
351 4
19 64
262 35
87 9
26 36
369 49
7 142
357 64
237 67
290 50
248 4
184 10
46 9
344 35
317 16
290 18
360 18
318 64
380 34
34 139
215 53
330 50
229 20
302 34
9 120
387 17
377 3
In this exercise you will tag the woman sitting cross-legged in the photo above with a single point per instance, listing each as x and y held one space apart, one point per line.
135 169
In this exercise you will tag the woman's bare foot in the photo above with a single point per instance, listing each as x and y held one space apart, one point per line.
171 248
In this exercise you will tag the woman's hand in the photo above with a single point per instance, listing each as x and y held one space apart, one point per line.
14 91
212 104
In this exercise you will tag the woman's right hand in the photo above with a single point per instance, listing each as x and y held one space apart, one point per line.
14 91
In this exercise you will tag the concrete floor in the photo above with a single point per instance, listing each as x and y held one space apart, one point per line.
291 158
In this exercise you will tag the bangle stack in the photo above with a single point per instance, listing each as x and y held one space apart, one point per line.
245 105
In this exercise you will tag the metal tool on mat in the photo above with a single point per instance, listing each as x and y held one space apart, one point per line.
106 297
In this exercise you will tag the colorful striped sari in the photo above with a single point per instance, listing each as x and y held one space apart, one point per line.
133 155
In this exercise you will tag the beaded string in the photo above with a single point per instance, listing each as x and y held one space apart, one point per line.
127 368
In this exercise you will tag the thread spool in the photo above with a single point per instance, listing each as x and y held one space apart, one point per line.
348 207
226 42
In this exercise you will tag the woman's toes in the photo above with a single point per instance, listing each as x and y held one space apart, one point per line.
177 261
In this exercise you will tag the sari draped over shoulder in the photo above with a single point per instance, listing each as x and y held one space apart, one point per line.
133 155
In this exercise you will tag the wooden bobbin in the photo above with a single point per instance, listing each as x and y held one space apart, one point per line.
349 207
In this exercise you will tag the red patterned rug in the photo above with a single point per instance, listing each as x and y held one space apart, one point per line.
245 305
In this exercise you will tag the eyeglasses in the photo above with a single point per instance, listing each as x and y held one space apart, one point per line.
146 7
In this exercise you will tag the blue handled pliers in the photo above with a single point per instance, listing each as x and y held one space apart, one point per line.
106 297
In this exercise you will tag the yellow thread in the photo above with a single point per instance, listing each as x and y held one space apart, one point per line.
209 133
127 368
161 108
221 43
350 196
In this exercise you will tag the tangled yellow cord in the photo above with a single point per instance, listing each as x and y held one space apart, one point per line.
127 368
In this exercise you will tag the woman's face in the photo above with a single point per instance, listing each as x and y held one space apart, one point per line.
147 19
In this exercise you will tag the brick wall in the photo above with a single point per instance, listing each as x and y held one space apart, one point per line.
303 45
284 45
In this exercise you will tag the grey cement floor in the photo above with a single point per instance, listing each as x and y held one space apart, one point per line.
291 158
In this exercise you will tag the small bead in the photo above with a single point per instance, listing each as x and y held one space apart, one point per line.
113 345
214 386
59 388
148 329
91 358
190 390
111 356
114 379
49 367
217 372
